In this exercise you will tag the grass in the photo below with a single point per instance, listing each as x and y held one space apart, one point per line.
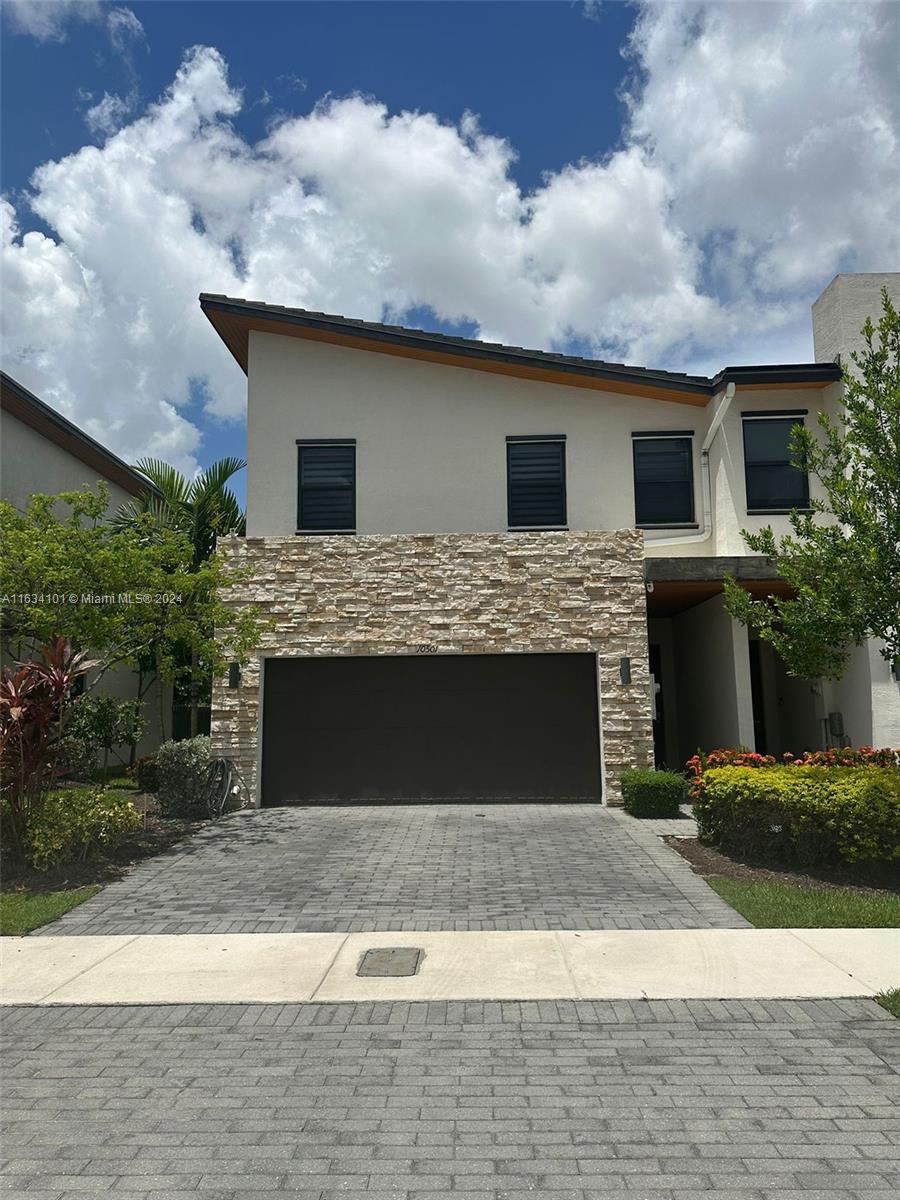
781 906
890 1001
114 777
22 911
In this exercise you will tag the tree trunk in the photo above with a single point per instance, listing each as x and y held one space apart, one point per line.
194 692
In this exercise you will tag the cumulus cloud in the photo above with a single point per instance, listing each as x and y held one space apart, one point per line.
744 181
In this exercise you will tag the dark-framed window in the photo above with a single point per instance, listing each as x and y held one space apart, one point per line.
536 482
773 483
326 486
663 479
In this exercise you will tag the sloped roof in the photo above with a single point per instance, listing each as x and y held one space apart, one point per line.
233 318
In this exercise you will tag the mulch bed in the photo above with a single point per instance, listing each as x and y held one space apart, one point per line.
705 860
155 836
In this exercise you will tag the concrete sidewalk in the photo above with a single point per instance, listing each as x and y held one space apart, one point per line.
560 965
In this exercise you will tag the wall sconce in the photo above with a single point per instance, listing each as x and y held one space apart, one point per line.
625 670
234 675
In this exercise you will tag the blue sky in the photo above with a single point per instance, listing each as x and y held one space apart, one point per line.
667 184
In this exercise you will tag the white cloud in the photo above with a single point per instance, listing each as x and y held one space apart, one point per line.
124 29
746 179
47 20
109 113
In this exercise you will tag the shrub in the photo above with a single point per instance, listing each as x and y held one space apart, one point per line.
76 760
145 774
647 793
809 815
103 722
74 823
739 756
181 769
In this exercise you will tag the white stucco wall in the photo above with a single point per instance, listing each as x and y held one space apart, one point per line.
431 441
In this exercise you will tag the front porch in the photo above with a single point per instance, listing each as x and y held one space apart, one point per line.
714 685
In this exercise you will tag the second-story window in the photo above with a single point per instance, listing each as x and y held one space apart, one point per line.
773 483
536 482
663 479
326 486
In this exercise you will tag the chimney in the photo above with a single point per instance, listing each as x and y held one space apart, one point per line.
840 312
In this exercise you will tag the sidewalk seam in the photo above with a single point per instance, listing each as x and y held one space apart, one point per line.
84 970
328 969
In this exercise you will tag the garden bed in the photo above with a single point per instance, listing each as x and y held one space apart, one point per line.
155 836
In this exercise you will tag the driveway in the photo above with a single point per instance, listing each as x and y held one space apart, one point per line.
491 1101
410 867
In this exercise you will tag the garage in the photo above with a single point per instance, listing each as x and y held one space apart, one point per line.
419 728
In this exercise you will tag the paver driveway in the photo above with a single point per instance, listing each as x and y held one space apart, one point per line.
409 867
493 1101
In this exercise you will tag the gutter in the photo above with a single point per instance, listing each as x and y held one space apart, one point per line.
705 482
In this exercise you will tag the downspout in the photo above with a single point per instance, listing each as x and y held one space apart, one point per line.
705 483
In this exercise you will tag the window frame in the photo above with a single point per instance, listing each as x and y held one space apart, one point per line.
796 416
519 439
675 435
321 444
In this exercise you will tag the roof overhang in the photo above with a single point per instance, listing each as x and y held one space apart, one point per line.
27 408
234 319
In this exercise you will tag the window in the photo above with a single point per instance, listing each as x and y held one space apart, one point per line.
773 484
326 487
663 479
536 482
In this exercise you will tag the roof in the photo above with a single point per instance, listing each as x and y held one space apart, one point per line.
233 319
27 408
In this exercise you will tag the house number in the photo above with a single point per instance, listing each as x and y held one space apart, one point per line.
426 648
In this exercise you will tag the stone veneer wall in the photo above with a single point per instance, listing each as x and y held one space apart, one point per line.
463 593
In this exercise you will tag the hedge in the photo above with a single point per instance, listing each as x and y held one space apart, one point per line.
75 823
647 793
810 816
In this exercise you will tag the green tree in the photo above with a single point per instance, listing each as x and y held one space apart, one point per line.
842 559
201 509
133 594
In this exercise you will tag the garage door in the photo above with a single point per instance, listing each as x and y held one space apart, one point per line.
419 728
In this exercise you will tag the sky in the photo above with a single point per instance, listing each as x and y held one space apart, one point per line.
668 184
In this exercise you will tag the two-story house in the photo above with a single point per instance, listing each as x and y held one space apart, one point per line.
495 573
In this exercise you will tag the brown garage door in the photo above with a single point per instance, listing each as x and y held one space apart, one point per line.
420 728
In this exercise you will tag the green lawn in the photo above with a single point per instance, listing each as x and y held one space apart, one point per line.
890 1001
780 906
22 911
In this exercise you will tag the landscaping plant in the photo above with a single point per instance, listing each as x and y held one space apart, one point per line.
75 823
648 793
145 774
35 700
103 722
807 815
182 769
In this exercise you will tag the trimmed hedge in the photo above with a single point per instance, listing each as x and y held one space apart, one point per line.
181 773
647 793
812 816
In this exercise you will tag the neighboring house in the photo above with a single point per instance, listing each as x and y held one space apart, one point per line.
474 558
42 452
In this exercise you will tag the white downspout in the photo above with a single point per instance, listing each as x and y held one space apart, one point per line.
705 484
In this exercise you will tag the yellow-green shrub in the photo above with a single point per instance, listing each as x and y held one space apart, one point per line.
74 823
812 816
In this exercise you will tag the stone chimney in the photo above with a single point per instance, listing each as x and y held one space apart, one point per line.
840 312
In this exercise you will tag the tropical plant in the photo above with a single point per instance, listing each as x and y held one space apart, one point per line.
201 509
103 722
35 701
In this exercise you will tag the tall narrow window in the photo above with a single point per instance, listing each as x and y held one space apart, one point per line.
663 479
326 487
536 483
773 483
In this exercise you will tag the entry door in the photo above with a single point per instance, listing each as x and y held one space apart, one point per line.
443 727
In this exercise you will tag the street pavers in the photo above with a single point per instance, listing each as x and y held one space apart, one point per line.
409 867
494 1101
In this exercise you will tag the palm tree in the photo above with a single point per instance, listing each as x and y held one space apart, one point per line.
203 509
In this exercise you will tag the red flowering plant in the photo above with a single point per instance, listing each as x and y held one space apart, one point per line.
35 699
841 756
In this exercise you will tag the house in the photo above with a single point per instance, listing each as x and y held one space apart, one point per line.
43 452
495 573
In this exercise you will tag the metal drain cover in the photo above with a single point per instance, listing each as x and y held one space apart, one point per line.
391 961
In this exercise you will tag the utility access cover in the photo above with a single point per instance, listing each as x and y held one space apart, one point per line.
391 961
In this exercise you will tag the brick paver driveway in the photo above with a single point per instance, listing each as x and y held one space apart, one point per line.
493 1101
416 867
